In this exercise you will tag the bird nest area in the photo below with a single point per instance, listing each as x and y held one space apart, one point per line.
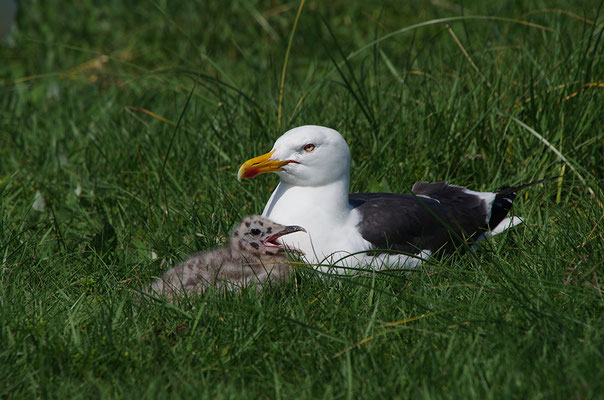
122 132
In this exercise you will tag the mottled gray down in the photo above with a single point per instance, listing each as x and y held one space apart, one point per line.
254 257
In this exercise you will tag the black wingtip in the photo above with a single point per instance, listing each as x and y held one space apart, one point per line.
502 204
504 198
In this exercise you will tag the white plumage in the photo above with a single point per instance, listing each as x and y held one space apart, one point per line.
313 164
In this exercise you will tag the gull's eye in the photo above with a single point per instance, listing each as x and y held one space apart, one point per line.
255 232
309 147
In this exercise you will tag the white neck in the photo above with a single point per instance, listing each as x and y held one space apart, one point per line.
296 203
326 215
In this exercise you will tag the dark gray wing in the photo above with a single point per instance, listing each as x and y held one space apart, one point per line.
401 222
437 216
469 211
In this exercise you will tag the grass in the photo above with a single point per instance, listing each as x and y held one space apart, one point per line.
121 131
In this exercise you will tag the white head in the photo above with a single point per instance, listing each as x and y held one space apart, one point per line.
309 155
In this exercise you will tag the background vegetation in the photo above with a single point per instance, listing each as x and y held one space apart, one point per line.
122 126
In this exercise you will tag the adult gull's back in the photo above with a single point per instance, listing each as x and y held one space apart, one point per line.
313 164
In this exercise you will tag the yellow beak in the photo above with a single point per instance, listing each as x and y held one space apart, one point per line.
260 165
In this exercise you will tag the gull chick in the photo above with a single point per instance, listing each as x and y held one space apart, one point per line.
253 257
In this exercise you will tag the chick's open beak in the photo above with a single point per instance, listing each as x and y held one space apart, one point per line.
291 229
271 241
260 165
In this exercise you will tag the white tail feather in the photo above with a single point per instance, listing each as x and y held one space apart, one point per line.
504 225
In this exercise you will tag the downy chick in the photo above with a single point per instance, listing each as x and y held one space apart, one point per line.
254 257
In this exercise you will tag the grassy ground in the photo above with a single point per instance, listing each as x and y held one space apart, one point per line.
121 131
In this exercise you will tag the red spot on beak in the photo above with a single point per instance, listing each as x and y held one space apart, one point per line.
250 173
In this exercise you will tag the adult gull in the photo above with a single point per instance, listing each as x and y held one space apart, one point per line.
313 164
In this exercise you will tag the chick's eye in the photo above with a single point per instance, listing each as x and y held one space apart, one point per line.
255 232
309 147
